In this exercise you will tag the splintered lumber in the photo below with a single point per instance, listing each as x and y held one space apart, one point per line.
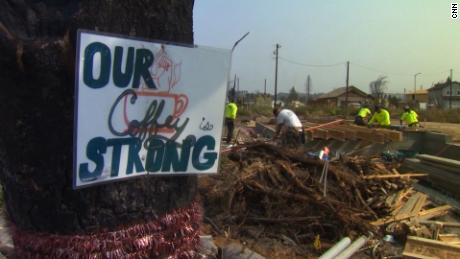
397 204
278 190
419 204
418 247
435 212
413 205
391 176
424 214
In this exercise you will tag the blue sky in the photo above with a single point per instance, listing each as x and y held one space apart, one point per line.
392 38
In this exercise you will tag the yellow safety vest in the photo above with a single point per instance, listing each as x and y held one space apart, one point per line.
409 117
382 118
364 112
230 111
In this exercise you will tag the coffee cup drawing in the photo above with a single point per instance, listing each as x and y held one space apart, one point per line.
162 104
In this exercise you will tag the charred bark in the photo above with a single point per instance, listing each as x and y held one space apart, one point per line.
37 53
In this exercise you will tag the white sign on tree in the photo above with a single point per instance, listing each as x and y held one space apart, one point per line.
146 108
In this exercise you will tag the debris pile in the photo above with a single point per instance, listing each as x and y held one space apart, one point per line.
265 190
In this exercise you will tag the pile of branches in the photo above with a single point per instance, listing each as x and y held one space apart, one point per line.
279 189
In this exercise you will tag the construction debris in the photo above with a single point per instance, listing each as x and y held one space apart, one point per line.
267 191
417 247
443 172
289 203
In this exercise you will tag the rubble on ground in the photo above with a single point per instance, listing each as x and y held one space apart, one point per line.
272 200
265 191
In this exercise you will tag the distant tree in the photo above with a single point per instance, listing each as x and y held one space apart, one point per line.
293 95
378 87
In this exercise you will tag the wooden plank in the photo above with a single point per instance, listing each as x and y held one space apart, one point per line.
409 206
339 131
435 212
372 135
392 176
419 256
391 135
442 223
449 238
348 133
395 171
427 248
419 204
440 160
398 203
424 214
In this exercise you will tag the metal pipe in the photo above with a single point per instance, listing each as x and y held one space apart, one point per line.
350 250
336 249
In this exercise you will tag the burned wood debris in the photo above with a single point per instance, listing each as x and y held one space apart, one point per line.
278 191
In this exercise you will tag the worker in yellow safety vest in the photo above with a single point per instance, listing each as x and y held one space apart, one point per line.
230 115
409 116
381 116
363 113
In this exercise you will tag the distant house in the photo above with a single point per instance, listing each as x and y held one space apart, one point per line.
337 97
439 95
420 97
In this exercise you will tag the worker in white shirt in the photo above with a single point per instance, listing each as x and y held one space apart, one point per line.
288 127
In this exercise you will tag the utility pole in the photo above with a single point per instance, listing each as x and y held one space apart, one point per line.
308 89
265 87
237 87
237 84
276 74
415 87
346 89
450 98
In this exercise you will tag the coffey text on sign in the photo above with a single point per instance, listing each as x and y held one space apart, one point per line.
141 107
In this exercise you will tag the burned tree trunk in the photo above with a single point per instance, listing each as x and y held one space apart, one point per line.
37 63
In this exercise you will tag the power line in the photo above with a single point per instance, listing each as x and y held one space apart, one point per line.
379 71
310 65
397 74
361 66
